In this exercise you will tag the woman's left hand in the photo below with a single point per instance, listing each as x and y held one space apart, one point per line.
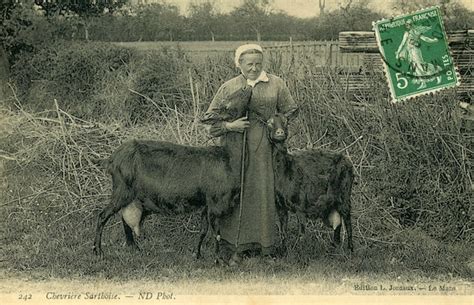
238 125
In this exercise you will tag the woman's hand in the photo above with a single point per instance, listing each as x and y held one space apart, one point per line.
238 125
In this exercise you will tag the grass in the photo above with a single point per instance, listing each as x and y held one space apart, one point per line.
411 200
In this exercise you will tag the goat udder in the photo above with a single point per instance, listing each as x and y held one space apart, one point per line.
132 214
334 219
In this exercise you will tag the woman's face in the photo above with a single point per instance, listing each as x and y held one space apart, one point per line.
251 65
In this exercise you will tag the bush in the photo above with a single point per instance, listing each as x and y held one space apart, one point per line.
76 75
161 77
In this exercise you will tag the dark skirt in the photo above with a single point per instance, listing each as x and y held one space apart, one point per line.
258 220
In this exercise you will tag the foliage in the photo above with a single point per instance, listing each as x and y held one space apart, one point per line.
203 20
356 17
252 15
77 75
84 8
252 20
456 16
23 30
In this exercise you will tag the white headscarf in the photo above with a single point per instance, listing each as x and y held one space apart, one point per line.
245 48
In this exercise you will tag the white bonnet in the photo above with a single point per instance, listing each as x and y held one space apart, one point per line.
245 48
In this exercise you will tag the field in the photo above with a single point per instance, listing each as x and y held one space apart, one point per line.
72 104
196 46
323 53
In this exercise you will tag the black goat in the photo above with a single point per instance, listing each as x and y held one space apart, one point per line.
161 177
166 178
313 184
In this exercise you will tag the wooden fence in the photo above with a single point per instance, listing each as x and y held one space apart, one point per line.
327 52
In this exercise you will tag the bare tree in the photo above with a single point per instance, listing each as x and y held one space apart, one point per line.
406 6
203 18
322 6
253 14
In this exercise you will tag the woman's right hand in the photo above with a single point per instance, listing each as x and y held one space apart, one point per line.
238 125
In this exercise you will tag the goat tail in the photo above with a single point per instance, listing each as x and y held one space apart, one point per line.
347 180
341 181
123 161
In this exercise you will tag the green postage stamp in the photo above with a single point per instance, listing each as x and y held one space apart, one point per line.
415 52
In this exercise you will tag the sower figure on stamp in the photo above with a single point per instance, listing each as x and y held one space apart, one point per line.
410 50
253 225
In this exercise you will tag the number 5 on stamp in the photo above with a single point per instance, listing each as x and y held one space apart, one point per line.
415 52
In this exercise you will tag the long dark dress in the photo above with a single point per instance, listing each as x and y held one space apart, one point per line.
258 221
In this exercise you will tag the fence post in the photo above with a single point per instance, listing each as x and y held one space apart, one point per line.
292 61
329 60
4 73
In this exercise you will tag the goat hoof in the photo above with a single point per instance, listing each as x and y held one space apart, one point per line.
283 251
133 246
196 255
269 259
235 260
351 248
98 252
219 262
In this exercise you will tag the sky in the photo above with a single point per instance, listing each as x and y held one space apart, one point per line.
301 8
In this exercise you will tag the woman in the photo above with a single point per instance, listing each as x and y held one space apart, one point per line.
256 227
410 50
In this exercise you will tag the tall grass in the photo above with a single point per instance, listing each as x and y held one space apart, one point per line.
413 161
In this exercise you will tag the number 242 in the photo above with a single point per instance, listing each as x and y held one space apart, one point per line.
24 297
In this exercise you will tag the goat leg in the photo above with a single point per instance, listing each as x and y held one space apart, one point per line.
214 222
202 232
218 235
348 225
301 224
283 228
102 219
129 240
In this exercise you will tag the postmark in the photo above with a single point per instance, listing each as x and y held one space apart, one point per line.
416 54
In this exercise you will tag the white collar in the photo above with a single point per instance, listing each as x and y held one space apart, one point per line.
263 77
